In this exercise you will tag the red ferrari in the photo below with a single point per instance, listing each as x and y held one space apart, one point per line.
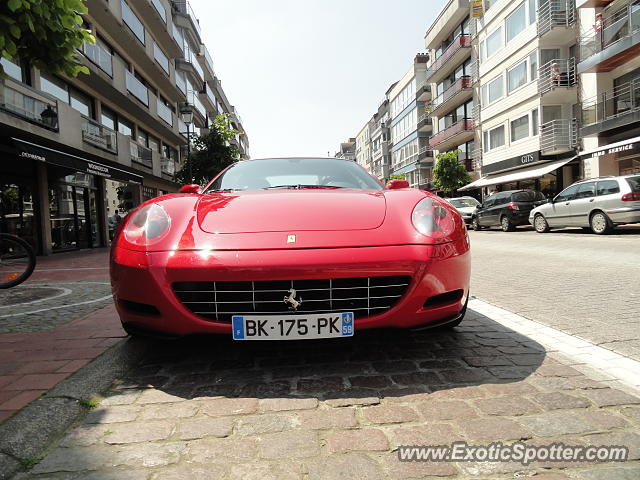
290 248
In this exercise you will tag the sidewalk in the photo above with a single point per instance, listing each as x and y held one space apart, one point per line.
53 325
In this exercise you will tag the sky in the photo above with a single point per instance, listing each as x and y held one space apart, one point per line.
305 75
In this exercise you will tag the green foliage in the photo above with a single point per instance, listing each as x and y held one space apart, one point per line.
44 33
93 403
395 176
209 153
448 173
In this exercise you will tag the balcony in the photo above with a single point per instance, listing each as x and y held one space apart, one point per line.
617 43
159 8
457 93
185 9
160 58
28 105
423 92
453 56
556 19
558 136
136 88
612 110
555 77
426 156
140 154
132 21
190 65
98 135
424 122
208 63
168 166
456 134
99 56
164 112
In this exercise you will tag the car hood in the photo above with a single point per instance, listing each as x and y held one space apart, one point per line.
467 210
291 210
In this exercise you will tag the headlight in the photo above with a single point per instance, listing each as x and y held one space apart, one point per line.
147 226
431 218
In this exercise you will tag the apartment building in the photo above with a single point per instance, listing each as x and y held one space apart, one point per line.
452 75
609 81
410 125
75 150
528 95
347 150
363 146
380 142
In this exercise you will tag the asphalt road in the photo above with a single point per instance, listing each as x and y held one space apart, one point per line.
583 284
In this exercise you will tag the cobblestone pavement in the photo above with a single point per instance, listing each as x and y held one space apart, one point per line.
314 410
583 284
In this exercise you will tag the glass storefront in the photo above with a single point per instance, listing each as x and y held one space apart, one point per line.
18 206
629 166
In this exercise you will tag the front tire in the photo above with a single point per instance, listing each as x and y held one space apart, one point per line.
507 225
600 223
540 224
475 224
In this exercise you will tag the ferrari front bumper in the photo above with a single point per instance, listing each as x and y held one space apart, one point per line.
146 278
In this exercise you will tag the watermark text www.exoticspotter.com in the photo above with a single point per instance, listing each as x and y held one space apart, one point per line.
514 452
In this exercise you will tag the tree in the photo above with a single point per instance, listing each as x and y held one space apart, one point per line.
397 176
448 173
210 152
45 34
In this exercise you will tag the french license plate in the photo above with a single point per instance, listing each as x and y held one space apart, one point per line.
292 327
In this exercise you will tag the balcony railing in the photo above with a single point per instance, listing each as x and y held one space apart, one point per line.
137 88
208 60
559 72
98 135
178 37
558 135
168 166
462 83
140 154
132 21
458 43
160 57
35 109
460 126
623 100
198 104
555 13
185 8
164 112
617 26
157 4
425 152
98 55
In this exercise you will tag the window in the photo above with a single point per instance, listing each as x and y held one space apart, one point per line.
607 187
108 118
535 121
586 190
81 102
125 127
494 138
520 128
12 69
517 77
494 42
567 194
495 89
533 65
516 22
532 11
54 86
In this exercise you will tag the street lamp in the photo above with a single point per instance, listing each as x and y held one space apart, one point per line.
186 115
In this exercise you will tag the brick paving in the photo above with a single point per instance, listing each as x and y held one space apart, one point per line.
51 326
339 409
583 284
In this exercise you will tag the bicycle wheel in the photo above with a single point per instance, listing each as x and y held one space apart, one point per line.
17 260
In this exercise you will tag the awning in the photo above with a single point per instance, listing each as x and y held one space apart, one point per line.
63 159
616 147
520 174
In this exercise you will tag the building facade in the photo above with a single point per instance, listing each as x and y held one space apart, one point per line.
452 76
347 150
380 142
609 80
78 153
363 147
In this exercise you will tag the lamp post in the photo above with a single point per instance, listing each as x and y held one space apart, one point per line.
186 114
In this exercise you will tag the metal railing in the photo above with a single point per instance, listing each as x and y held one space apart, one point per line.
35 109
559 72
555 13
167 165
556 135
459 85
425 152
140 154
157 4
185 8
98 135
208 61
98 55
457 44
620 24
178 37
164 112
460 126
160 57
132 21
137 88
624 99
411 159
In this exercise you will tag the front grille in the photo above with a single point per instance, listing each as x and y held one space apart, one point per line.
364 296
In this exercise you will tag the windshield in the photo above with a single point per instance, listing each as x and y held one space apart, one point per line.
464 202
294 173
527 196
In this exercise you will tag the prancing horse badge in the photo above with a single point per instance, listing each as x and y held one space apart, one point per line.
291 239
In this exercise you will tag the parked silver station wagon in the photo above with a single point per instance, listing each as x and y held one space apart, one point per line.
598 203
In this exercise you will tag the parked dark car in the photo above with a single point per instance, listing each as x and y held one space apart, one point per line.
507 209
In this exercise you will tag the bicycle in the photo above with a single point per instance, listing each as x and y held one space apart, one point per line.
17 260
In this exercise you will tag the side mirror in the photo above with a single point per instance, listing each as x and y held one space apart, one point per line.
397 183
191 188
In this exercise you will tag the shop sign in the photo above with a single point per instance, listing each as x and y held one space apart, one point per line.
513 162
612 150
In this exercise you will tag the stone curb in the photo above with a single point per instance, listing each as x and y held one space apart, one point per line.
26 436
